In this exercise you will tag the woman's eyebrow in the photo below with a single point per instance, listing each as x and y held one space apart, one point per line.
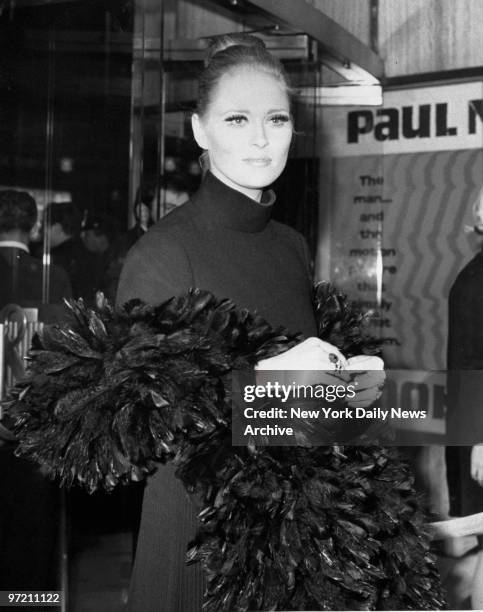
247 112
235 110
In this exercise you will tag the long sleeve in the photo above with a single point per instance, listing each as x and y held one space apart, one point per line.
156 269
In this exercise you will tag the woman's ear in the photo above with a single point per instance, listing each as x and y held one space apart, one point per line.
199 131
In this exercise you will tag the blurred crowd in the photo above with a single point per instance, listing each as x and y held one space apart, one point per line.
78 251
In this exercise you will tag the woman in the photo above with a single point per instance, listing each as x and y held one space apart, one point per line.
222 240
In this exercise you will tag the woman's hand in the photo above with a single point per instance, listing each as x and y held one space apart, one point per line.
310 362
477 463
368 379
315 361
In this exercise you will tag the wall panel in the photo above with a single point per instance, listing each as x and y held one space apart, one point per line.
353 15
417 36
197 18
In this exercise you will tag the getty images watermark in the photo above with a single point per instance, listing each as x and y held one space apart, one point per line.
413 407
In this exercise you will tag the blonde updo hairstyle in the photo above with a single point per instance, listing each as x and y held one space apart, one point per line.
229 52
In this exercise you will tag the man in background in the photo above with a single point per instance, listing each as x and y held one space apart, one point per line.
118 250
464 463
99 235
63 222
22 274
29 504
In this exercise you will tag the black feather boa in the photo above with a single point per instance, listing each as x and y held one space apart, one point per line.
287 528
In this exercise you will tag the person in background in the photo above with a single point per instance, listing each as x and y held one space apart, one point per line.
21 273
174 192
464 464
143 217
29 503
63 222
99 233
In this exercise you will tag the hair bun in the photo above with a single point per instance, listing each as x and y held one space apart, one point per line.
228 52
218 44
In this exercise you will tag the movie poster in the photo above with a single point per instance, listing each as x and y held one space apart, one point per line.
403 178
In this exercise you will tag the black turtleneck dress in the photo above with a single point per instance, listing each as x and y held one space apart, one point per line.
226 243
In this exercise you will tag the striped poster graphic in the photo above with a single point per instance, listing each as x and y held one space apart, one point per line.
398 242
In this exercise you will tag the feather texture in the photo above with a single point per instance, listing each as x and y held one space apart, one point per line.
111 394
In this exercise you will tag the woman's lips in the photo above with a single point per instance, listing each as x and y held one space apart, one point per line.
258 162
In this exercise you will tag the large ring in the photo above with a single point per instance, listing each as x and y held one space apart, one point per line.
336 361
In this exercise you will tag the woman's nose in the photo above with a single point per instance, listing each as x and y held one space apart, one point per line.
259 136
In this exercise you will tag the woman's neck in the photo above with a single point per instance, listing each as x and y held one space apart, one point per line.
253 194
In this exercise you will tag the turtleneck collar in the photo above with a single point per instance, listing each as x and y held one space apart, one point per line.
229 208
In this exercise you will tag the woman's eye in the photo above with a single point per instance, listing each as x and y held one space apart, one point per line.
236 119
279 119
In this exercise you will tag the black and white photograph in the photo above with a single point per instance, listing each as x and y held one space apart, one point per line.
241 305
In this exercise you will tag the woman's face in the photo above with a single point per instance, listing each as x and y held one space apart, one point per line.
246 130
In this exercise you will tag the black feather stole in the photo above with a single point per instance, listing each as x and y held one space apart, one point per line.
280 528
